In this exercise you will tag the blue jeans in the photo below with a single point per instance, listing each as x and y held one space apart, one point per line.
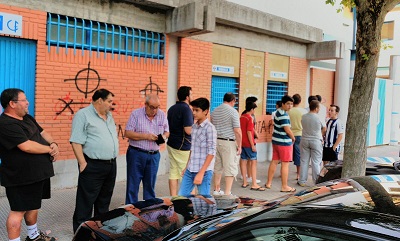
187 184
141 167
310 150
296 151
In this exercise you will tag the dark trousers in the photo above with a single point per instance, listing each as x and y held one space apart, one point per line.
141 167
95 188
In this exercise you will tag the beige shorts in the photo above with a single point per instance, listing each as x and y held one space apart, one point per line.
226 160
177 162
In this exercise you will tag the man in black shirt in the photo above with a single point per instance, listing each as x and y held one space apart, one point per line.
26 152
180 121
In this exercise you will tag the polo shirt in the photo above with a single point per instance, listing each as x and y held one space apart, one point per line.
97 136
225 118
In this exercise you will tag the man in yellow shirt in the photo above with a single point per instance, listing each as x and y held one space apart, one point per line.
295 115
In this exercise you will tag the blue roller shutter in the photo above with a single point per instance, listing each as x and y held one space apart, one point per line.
220 86
18 67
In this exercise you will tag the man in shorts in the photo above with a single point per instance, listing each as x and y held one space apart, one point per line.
27 153
333 136
282 145
180 121
225 118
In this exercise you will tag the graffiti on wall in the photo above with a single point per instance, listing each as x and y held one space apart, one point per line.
88 81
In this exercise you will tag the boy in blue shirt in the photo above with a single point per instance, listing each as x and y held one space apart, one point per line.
199 169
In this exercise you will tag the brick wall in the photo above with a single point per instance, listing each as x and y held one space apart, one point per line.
298 78
55 84
194 68
323 84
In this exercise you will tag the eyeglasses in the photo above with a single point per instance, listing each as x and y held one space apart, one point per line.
153 107
20 100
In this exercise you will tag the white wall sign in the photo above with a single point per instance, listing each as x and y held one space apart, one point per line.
10 24
278 75
223 69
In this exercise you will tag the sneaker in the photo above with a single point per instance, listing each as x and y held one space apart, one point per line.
249 179
301 184
42 237
220 192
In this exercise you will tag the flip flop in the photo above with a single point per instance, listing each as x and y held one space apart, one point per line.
291 190
257 189
244 186
267 187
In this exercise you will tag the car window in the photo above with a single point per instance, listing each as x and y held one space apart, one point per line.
292 234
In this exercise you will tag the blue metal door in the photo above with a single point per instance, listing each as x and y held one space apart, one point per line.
221 85
18 67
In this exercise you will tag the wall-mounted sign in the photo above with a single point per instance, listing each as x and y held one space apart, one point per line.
10 24
223 69
278 75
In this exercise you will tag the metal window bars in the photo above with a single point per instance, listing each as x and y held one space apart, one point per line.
275 91
71 32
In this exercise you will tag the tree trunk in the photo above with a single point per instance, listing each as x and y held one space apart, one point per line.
370 17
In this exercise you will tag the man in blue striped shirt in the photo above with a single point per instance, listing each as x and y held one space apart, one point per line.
282 145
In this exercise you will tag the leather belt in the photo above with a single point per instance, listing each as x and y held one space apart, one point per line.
226 139
142 150
100 160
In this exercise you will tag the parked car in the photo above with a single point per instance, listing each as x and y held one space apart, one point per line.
374 166
361 208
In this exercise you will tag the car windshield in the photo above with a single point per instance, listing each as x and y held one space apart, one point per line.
198 227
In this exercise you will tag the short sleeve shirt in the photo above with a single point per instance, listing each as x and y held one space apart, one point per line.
18 167
204 137
225 118
179 116
97 136
139 122
279 136
246 124
334 127
312 126
295 115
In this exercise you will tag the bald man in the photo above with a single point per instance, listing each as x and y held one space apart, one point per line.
146 129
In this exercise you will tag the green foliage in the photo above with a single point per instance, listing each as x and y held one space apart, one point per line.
365 57
343 3
386 46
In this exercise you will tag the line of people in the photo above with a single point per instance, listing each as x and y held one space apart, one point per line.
199 150
302 135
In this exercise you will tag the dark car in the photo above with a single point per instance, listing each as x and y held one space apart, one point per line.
361 208
374 166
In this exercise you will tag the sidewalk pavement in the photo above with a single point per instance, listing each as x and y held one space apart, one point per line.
56 213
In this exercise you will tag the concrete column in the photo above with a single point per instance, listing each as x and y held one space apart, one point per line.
173 56
342 86
395 76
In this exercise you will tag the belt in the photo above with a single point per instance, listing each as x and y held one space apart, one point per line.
142 150
226 139
100 160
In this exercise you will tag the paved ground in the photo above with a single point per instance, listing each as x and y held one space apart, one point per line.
56 213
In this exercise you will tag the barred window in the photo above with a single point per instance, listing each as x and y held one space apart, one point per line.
275 91
76 33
